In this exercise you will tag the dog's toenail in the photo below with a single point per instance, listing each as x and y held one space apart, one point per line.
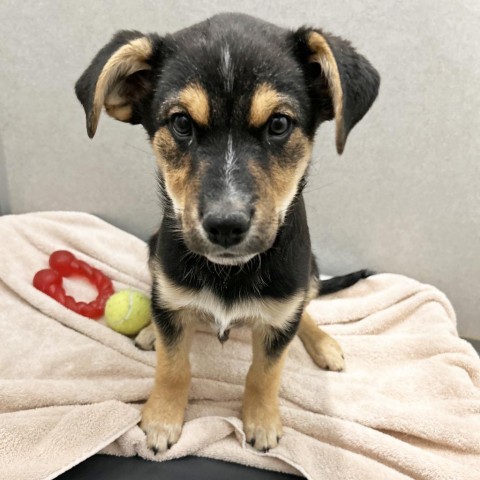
155 450
169 445
265 449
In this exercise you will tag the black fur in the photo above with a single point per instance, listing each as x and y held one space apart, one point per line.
335 284
277 339
169 327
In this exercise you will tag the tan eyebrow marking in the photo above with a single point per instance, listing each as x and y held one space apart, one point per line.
194 99
265 101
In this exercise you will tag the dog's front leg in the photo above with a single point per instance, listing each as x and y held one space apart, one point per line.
163 414
260 412
324 350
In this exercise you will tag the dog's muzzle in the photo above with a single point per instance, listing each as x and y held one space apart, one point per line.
226 228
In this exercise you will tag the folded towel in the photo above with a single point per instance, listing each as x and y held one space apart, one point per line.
407 406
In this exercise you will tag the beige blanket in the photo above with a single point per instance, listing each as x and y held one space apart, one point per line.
408 405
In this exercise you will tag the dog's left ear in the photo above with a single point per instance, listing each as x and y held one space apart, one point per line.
342 83
119 78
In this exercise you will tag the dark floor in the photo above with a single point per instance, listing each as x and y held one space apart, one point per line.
105 467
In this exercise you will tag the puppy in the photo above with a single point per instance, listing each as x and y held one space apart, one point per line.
231 106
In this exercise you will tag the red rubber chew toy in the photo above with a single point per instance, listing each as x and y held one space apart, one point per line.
64 264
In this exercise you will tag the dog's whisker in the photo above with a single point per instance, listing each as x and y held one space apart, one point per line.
148 152
319 187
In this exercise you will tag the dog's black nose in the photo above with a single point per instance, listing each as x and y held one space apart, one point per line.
226 228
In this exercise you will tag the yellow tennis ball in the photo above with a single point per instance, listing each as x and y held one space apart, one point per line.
127 312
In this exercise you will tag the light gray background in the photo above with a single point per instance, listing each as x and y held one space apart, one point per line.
403 198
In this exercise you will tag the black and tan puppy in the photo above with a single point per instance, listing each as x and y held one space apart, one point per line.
231 106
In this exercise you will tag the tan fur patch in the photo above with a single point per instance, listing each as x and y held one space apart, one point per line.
286 177
194 99
323 55
163 414
117 107
313 289
128 59
279 184
260 412
174 168
266 101
324 350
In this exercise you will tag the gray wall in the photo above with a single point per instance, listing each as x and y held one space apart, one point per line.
403 198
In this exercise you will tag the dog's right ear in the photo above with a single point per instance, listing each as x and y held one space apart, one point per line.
119 78
343 84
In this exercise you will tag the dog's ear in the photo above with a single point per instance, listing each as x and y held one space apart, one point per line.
118 78
342 83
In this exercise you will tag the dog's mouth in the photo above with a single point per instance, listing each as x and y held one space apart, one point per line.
240 254
230 258
254 244
220 249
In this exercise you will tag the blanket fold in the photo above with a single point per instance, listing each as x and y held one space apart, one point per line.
407 406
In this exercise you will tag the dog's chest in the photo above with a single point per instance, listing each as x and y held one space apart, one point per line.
224 315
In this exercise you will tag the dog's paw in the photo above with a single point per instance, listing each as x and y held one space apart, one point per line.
263 427
162 432
327 354
161 436
145 340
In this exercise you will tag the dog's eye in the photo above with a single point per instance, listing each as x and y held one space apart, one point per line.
279 125
181 124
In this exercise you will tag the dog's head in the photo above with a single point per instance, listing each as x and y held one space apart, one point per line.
231 106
